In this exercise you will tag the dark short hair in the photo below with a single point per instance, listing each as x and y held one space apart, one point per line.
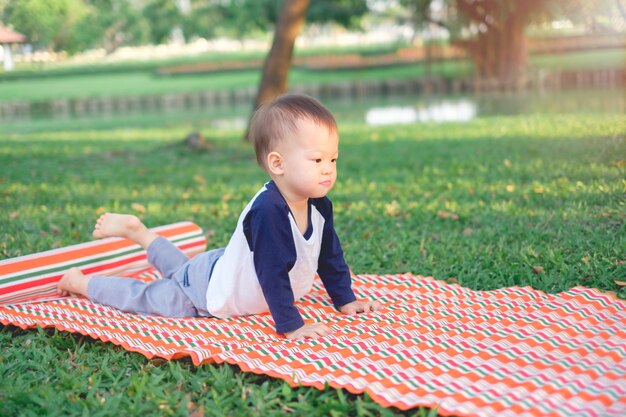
275 121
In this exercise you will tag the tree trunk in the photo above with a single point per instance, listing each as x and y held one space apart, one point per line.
500 50
501 55
514 61
278 61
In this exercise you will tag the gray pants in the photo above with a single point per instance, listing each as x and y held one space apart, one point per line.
181 292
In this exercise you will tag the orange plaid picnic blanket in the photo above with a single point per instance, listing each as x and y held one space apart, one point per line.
508 352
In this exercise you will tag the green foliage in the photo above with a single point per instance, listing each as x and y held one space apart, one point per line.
494 202
345 12
203 21
241 17
76 25
163 16
47 23
111 24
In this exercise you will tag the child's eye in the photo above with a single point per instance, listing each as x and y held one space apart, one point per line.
333 160
318 160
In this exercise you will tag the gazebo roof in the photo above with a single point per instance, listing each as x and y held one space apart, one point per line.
9 36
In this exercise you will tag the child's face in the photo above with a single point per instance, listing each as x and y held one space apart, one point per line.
309 161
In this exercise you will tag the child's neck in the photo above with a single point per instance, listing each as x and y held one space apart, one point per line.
299 209
300 212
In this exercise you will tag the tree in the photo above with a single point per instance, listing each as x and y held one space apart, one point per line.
278 61
493 31
499 47
291 19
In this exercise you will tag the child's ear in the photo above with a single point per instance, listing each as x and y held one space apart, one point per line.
275 163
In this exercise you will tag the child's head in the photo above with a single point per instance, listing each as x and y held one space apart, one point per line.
277 121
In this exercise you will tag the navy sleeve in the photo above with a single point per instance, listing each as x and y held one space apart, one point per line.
269 236
332 267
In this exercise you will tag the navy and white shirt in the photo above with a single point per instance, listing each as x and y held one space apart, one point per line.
268 263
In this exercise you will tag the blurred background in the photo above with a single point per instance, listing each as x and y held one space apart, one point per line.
74 64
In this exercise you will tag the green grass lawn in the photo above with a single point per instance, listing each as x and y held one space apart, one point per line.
496 202
142 83
134 82
602 58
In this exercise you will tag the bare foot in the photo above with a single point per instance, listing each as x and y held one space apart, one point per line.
123 225
116 225
73 283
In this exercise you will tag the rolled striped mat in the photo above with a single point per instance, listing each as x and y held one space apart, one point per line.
34 277
509 353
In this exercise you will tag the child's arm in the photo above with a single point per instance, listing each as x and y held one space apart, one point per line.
335 273
270 238
331 266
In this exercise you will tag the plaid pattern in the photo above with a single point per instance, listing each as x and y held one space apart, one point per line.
509 352
34 277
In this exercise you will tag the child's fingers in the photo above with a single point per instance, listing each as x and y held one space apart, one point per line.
361 307
321 331
367 306
309 331
374 306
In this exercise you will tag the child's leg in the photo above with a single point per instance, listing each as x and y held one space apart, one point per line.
161 297
164 255
126 226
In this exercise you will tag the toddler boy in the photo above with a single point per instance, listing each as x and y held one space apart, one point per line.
284 236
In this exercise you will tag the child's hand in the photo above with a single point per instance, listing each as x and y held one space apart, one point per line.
309 331
360 307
